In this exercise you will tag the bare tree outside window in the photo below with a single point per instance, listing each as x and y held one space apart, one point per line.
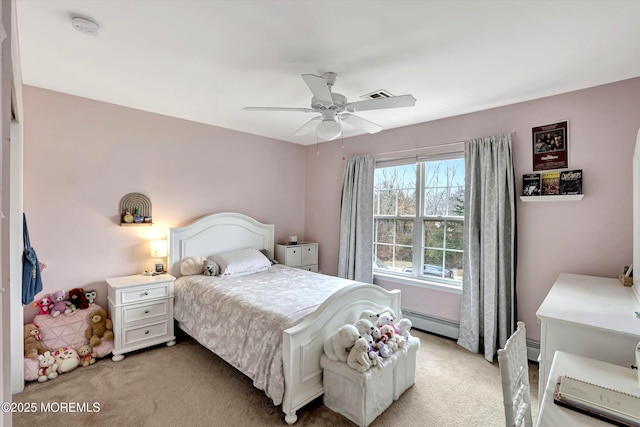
435 231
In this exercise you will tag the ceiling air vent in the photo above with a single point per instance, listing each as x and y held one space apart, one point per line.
377 94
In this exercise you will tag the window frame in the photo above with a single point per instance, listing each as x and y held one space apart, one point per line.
416 278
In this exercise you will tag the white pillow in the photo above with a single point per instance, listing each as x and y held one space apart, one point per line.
192 265
241 261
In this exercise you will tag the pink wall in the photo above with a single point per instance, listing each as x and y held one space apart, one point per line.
82 156
592 236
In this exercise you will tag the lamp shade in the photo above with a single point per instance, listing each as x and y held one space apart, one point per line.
329 130
158 248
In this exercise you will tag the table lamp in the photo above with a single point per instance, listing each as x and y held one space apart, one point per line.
159 251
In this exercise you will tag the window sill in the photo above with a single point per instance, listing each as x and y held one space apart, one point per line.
409 281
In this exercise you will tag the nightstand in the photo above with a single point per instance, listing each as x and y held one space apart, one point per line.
300 255
141 309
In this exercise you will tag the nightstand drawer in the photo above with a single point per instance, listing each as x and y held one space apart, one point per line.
294 256
135 336
140 293
135 313
309 254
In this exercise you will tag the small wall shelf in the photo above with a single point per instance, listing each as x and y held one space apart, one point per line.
559 198
133 201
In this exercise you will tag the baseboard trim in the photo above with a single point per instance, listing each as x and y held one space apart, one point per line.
449 329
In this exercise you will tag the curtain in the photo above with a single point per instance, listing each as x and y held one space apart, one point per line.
355 254
488 311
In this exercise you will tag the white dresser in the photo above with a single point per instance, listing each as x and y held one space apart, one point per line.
589 316
301 255
141 308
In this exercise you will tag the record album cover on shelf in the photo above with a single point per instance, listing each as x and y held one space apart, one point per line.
531 184
571 182
550 183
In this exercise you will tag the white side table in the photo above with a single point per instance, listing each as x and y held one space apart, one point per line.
141 308
300 255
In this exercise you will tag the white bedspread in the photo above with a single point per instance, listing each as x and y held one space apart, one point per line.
241 319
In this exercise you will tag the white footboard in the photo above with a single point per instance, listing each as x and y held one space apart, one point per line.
303 343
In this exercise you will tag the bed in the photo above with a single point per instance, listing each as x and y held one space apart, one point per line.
293 361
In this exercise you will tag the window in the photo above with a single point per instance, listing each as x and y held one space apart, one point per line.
418 229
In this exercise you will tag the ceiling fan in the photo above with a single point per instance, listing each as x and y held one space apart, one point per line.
335 110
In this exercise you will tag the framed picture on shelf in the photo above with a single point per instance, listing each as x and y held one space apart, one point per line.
550 145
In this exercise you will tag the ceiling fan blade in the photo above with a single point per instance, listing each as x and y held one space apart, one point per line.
319 87
381 103
361 123
304 110
309 126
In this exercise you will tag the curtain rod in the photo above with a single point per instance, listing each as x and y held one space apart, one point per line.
513 135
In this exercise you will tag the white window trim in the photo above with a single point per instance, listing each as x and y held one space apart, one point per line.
422 281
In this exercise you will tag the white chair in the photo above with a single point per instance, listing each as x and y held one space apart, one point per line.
514 372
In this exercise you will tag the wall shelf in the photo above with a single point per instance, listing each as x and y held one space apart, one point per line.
132 202
559 198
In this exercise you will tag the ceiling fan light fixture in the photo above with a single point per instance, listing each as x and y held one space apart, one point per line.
329 130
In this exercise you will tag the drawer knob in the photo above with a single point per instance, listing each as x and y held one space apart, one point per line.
146 312
294 251
144 294
146 332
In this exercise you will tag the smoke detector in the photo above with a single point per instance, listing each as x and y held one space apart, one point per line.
85 25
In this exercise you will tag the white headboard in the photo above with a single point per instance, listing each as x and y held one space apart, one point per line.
217 233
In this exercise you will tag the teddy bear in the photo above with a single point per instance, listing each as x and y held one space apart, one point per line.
364 327
59 304
370 315
78 299
372 352
403 327
337 346
32 338
90 296
211 268
390 311
99 326
48 367
389 337
67 359
87 355
358 358
44 304
383 349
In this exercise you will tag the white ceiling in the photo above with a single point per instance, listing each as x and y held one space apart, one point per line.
204 60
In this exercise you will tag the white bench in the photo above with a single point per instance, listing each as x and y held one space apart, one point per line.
363 396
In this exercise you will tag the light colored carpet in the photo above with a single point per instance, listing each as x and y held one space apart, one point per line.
186 385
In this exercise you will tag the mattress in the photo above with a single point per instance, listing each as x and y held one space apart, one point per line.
241 319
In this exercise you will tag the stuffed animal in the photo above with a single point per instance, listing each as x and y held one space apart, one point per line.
358 358
32 337
87 355
364 327
211 268
390 311
389 337
385 319
383 349
67 359
372 352
90 296
60 304
99 327
44 304
78 299
337 346
403 327
48 367
370 315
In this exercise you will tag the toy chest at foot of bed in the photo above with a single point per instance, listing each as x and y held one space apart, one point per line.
362 396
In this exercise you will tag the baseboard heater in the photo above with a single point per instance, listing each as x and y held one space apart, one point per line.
449 329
